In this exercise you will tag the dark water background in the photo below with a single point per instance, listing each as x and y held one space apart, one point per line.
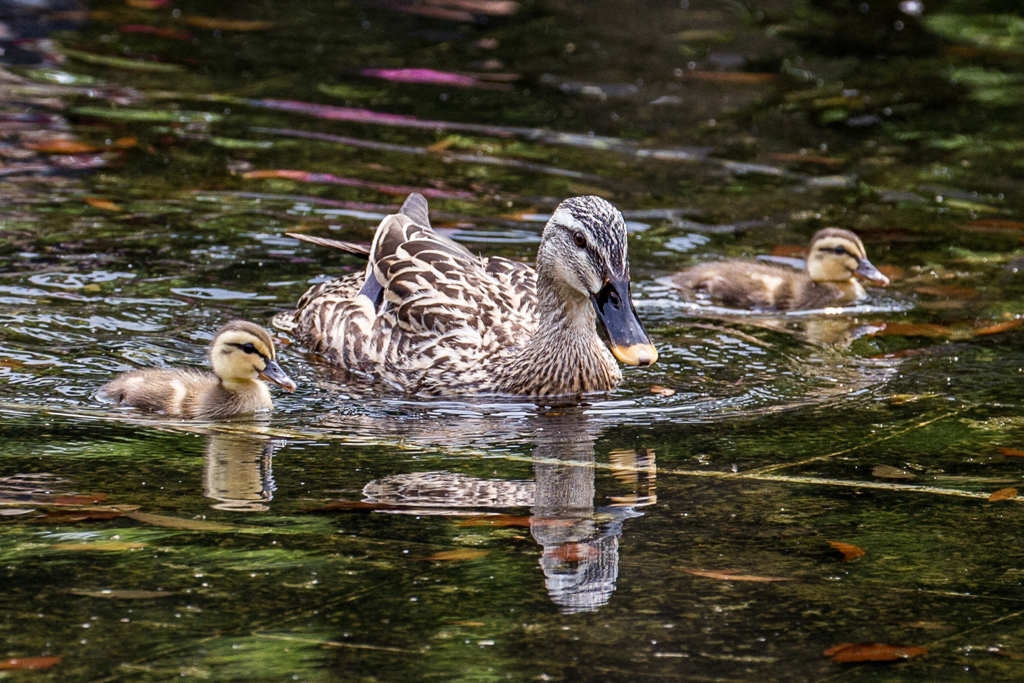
153 155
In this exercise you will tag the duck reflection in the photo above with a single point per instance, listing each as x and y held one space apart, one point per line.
580 541
239 473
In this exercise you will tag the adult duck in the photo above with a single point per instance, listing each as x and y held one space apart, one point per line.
429 317
835 262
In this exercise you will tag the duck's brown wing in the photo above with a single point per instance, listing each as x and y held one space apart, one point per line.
426 304
445 311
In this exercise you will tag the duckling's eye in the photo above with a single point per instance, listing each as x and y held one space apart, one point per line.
580 239
840 250
249 348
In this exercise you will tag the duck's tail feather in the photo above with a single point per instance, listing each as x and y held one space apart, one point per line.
285 321
347 247
415 207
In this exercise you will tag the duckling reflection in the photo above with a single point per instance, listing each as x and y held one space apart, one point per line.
239 473
836 331
580 557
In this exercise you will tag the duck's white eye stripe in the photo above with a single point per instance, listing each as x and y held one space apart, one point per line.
563 216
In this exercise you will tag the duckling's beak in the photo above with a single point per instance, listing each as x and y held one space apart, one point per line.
629 341
868 272
274 373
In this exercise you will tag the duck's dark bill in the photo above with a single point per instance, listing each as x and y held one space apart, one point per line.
274 373
626 335
868 272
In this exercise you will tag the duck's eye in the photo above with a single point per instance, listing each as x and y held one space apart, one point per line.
249 348
840 250
580 239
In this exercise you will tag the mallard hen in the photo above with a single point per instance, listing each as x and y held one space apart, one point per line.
242 354
430 317
835 260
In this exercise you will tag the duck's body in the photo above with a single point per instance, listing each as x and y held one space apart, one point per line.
241 354
430 317
835 260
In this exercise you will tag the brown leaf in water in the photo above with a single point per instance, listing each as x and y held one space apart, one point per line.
662 391
572 552
849 551
501 8
889 472
84 499
930 330
729 575
441 145
999 327
848 653
466 623
953 291
218 24
178 522
789 250
999 223
127 594
788 157
737 77
436 12
457 555
496 521
69 516
894 273
63 147
100 545
125 143
1003 494
147 4
20 663
1011 452
104 204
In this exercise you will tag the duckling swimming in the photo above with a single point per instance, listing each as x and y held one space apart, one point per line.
242 354
835 259
430 317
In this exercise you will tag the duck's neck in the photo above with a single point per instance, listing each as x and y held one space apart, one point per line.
565 355
850 290
247 391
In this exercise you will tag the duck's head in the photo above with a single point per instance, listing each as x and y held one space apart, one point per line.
244 351
837 256
583 255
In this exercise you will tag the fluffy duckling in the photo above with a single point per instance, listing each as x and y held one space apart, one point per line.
242 354
835 259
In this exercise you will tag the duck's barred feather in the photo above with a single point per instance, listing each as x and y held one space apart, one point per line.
446 315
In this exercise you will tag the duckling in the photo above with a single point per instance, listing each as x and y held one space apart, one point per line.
835 258
242 354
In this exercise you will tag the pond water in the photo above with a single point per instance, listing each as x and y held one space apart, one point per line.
689 525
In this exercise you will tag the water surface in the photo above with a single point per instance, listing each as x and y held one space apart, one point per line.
682 527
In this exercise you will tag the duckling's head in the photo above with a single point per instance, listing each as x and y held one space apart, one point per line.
837 256
582 256
243 351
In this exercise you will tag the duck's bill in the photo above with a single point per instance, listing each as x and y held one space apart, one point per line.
868 272
274 373
626 335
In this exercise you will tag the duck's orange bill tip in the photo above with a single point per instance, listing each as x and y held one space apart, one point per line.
637 354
